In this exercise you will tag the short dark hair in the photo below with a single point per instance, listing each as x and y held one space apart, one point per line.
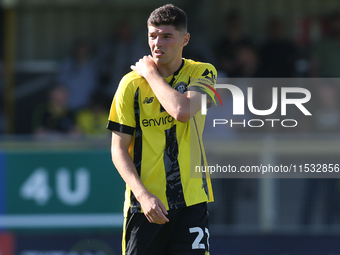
169 14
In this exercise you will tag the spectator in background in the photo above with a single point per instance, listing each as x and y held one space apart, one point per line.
92 120
79 75
326 117
2 99
2 116
54 117
116 55
278 55
325 55
247 62
225 49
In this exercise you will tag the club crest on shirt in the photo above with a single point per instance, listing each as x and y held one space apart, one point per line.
181 87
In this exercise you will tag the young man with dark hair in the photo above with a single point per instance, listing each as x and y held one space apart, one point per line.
157 130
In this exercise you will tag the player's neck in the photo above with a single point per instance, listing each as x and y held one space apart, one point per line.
167 70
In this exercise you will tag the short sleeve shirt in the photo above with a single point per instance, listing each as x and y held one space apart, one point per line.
164 150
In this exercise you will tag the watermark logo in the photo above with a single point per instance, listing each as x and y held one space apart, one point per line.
238 105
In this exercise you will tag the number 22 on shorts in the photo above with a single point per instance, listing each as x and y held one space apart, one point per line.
197 242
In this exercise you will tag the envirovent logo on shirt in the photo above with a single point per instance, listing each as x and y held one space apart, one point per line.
157 122
148 100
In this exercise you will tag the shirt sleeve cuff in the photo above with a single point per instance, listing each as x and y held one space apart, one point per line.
114 126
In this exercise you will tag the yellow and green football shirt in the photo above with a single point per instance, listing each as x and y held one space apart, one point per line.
163 148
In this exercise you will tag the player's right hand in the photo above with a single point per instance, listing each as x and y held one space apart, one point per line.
154 209
145 66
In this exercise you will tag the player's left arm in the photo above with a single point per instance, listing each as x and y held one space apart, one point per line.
180 106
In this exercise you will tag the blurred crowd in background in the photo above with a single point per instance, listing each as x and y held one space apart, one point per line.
86 81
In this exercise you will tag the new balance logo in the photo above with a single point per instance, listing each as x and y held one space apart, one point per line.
148 100
209 75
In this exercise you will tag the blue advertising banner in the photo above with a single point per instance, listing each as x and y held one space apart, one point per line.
110 244
275 245
83 244
58 189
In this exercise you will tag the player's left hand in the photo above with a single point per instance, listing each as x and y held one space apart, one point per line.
144 66
153 208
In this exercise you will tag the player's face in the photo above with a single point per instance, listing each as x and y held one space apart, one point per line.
166 44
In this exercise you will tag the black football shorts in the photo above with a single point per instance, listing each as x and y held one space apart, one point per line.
186 233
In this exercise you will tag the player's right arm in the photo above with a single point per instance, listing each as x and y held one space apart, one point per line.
152 206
